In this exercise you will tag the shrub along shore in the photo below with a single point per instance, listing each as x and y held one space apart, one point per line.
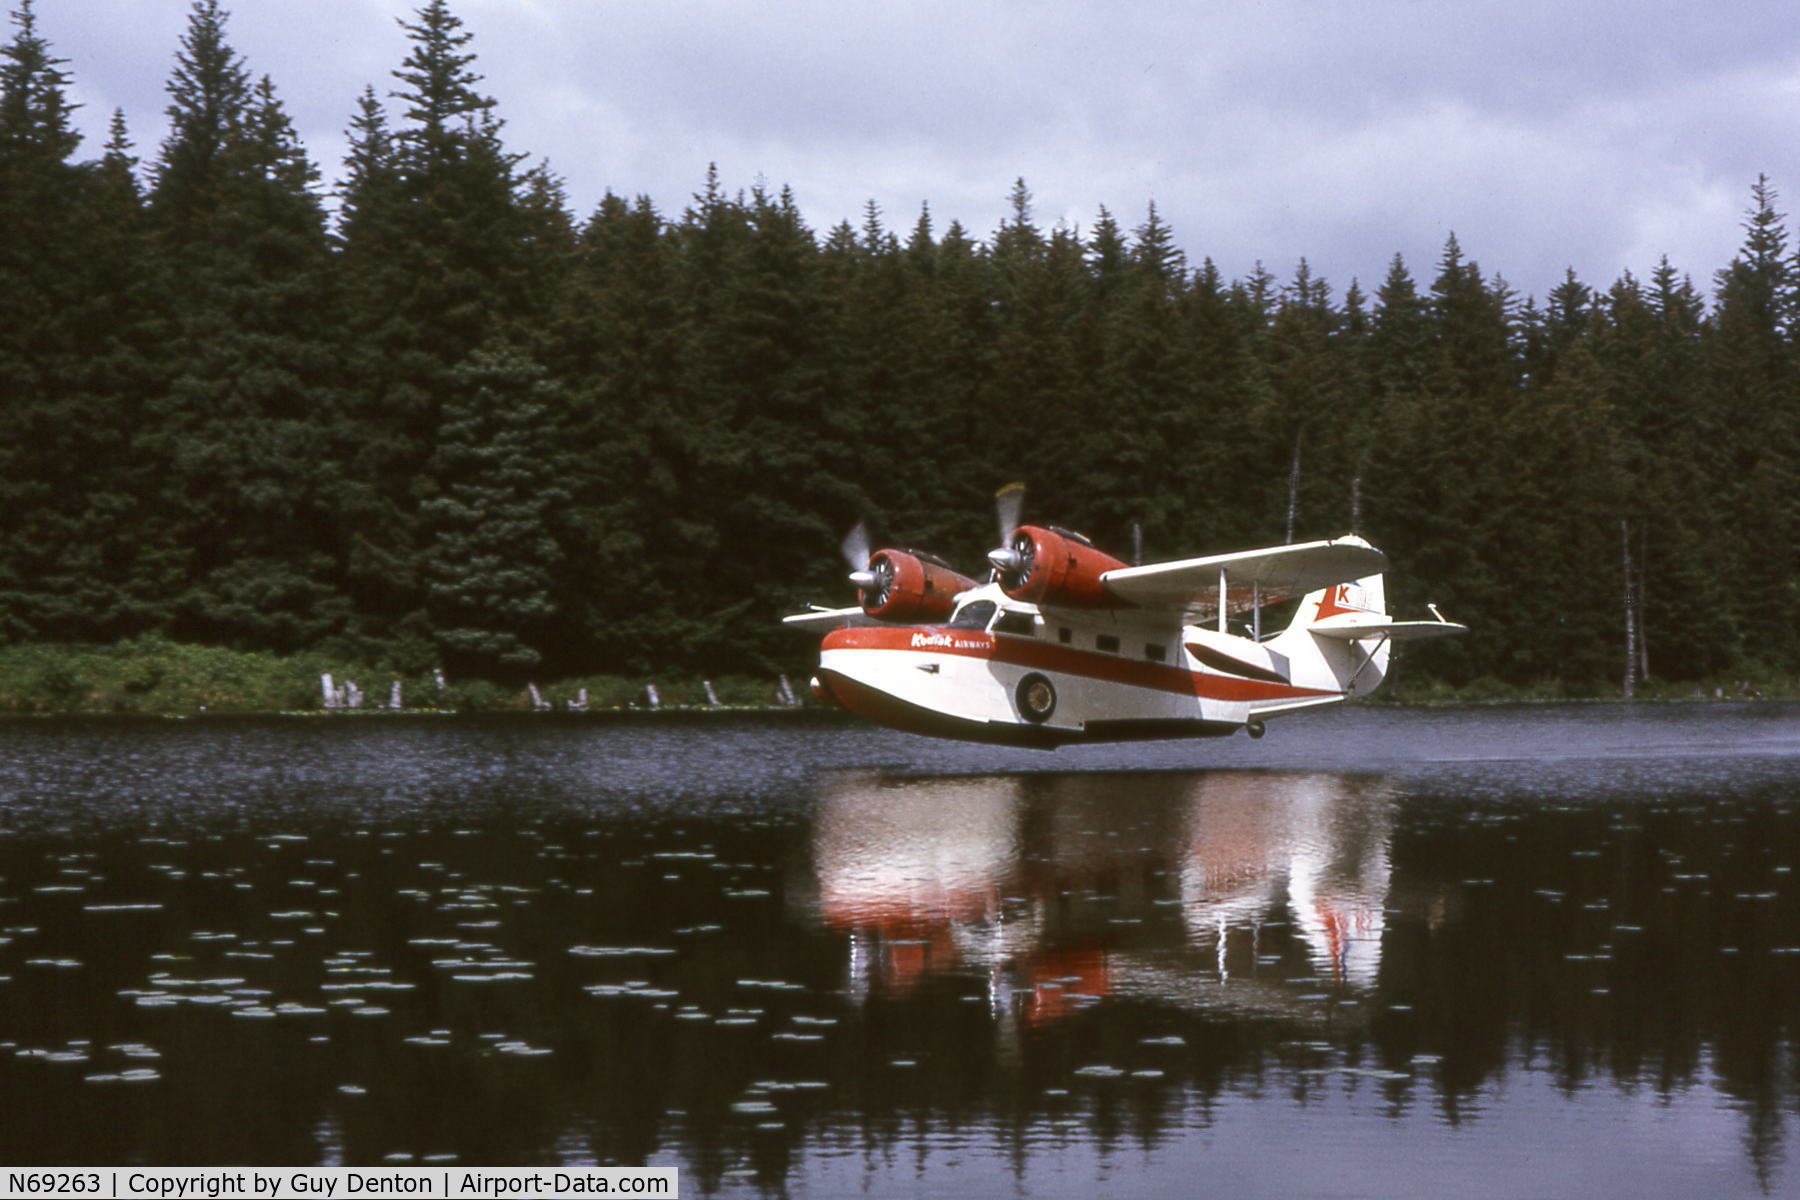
156 677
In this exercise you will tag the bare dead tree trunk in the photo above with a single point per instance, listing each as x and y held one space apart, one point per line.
1293 488
1631 636
1643 608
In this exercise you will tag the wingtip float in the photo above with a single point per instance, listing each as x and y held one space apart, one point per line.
1066 644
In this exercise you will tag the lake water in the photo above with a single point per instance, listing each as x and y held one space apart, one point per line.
1478 952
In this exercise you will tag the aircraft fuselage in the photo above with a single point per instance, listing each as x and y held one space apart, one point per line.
1032 676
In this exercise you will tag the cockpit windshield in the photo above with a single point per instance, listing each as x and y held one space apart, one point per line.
974 615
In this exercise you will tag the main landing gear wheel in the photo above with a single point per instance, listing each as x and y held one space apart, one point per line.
1036 697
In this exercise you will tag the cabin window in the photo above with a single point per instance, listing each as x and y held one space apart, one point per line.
1108 643
1156 653
974 615
1065 635
1016 622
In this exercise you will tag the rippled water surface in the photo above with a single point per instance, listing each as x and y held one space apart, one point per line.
1483 952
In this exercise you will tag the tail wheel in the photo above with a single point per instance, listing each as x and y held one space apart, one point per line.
1255 728
1036 698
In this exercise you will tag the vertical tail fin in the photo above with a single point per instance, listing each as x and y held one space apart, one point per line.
1366 596
1352 666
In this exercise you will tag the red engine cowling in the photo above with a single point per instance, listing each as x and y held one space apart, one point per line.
911 588
1052 566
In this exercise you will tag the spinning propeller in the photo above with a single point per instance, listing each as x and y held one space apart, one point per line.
1035 564
1007 503
871 576
900 585
1017 553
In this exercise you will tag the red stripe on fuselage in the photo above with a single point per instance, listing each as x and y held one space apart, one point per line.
1044 656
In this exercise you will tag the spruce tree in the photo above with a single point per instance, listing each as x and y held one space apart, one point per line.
1469 318
209 100
951 457
35 110
1033 409
242 432
1225 382
1560 327
39 191
1137 405
462 239
873 318
1304 429
1650 353
1753 423
369 193
78 560
38 247
441 237
1364 425
1437 494
494 480
626 541
1555 511
753 400
1399 336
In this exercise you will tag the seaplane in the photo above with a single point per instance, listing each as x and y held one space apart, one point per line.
1065 644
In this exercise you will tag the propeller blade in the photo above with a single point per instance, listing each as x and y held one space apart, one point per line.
855 547
1007 503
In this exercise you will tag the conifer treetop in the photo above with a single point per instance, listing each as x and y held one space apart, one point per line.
34 105
440 88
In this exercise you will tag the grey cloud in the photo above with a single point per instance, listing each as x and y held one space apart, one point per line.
1546 133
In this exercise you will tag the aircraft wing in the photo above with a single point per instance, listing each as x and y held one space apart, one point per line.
1191 585
825 619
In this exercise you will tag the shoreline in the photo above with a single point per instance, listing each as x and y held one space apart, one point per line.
155 678
808 710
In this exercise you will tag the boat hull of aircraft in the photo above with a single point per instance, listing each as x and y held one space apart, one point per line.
1014 690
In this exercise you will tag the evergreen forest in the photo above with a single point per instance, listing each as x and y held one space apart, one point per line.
428 414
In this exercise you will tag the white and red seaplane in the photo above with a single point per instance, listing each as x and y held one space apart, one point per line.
1067 644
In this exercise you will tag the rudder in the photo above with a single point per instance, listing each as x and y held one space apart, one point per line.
1333 663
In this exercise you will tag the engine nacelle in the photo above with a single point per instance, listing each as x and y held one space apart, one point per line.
911 588
1053 566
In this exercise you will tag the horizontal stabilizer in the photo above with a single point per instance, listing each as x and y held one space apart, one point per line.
822 619
1354 626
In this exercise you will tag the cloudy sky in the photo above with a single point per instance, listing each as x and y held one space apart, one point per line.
1546 134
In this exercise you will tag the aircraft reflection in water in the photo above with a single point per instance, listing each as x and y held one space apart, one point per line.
1248 890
